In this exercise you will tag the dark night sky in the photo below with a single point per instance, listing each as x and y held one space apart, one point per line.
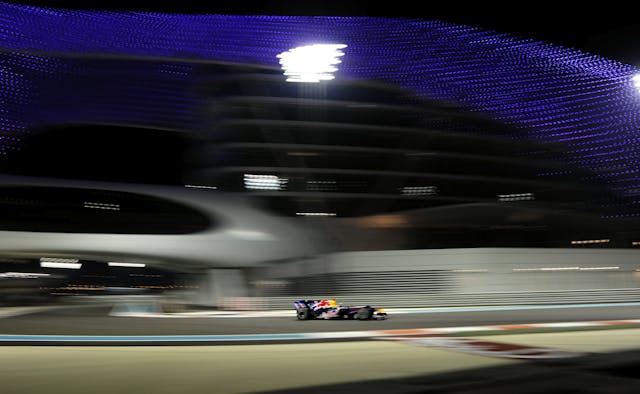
607 29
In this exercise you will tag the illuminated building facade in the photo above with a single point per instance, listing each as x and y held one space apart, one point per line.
422 116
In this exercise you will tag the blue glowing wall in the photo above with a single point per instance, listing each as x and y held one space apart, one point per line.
555 94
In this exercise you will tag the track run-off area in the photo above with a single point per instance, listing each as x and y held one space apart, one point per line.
271 351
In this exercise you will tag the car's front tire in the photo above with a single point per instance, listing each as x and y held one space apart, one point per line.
365 313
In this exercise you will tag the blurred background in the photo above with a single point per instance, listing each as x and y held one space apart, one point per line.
180 174
428 164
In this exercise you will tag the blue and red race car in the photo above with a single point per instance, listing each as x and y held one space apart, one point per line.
329 309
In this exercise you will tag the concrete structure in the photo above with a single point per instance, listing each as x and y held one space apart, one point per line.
238 234
457 277
550 160
241 235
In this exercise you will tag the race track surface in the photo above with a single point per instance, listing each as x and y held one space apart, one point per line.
96 321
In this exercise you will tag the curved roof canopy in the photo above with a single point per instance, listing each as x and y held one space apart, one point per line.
550 93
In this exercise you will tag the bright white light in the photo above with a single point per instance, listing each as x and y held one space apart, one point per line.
311 63
100 205
28 275
51 264
636 81
264 182
516 197
201 187
115 264
316 213
419 190
590 241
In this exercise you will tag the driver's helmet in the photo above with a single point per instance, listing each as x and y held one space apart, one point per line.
333 303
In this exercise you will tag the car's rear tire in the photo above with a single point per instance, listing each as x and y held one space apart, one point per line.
365 313
304 314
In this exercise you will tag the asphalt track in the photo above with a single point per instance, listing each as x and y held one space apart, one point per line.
96 321
372 366
348 367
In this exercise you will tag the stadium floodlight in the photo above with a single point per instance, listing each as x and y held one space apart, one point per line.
311 63
636 81
264 182
53 264
118 264
23 275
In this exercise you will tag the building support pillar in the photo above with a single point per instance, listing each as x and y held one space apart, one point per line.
217 286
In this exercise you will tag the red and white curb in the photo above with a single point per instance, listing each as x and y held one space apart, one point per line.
487 348
438 338
413 333
455 330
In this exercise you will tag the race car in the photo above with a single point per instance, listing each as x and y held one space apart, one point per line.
329 309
